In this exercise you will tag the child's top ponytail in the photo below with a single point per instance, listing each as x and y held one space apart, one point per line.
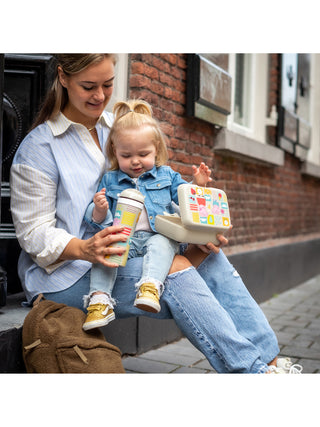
122 108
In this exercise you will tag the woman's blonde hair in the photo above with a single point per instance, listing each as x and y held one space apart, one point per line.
57 97
133 114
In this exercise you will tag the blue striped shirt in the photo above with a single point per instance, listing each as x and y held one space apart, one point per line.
54 175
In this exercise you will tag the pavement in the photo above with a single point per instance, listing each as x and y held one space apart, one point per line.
294 315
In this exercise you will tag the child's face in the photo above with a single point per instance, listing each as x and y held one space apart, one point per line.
135 150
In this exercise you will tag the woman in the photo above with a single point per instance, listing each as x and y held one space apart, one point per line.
54 176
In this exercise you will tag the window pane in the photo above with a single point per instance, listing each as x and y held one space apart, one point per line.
242 89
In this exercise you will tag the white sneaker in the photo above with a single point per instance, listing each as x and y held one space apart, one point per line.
285 366
289 368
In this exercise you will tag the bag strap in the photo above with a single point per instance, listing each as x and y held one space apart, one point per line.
34 344
80 354
38 299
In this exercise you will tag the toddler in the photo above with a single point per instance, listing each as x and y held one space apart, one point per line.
137 151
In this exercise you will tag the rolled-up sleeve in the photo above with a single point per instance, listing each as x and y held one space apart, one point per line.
33 208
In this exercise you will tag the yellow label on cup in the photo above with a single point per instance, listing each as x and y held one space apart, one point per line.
127 214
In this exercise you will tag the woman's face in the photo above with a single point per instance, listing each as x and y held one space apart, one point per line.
89 91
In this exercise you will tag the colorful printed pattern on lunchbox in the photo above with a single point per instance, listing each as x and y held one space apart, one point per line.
208 206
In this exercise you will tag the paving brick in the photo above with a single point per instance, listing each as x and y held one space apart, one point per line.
183 347
141 365
279 327
292 329
315 345
285 338
204 364
304 308
302 340
309 366
314 325
186 370
301 352
171 357
297 323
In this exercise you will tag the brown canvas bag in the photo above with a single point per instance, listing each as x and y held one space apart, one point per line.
53 341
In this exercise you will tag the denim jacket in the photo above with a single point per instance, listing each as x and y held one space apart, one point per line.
159 186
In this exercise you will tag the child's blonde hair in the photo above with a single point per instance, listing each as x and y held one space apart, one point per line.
133 114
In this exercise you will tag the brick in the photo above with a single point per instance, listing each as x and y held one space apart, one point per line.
137 68
187 370
139 81
300 352
141 365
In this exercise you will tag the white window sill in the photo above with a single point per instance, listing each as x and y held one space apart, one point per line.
310 169
236 145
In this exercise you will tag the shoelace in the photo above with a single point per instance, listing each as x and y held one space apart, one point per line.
295 369
292 368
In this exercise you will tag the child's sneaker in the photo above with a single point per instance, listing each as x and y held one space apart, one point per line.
100 311
147 298
98 315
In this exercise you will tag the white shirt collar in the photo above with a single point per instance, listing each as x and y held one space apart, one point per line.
59 124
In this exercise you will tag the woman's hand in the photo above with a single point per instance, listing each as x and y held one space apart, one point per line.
197 253
97 247
210 247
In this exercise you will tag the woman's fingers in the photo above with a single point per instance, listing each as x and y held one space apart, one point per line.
98 246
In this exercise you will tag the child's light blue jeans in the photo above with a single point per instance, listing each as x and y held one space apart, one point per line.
157 252
211 306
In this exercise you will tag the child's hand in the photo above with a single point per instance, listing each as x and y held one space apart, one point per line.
201 175
101 206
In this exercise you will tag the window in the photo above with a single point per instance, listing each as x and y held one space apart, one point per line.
242 89
245 134
249 94
311 166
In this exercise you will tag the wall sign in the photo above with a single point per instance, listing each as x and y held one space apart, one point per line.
208 90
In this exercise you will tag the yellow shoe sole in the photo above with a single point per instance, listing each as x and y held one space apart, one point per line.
98 323
146 304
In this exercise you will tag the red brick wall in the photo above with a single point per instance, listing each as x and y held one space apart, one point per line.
265 202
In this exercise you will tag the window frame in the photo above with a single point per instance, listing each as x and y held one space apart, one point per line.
313 155
120 87
258 90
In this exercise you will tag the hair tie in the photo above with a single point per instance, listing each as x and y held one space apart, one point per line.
129 111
